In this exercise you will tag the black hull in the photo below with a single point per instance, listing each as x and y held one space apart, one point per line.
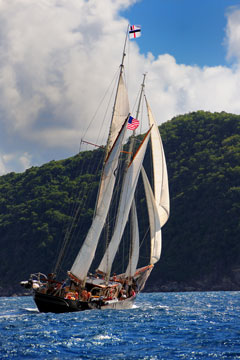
55 304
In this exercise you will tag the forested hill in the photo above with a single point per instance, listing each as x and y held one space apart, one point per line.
201 247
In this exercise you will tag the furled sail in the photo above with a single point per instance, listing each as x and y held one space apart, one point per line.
86 254
134 254
126 199
161 190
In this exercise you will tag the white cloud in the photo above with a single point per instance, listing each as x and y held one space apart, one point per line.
14 161
233 33
59 56
25 160
2 166
55 54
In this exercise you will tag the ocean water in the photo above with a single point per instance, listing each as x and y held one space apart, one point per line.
160 326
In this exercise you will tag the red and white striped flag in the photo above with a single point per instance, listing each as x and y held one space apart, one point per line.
134 31
132 123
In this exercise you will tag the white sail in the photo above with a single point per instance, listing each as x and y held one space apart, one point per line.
134 255
127 194
154 220
86 254
120 112
161 190
87 291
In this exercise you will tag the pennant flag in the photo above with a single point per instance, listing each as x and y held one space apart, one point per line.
132 123
134 31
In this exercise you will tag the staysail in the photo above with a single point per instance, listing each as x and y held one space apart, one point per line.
158 203
154 221
134 251
161 189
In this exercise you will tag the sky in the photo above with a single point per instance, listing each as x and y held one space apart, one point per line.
58 57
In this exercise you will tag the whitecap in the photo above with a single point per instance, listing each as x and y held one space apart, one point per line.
102 337
31 310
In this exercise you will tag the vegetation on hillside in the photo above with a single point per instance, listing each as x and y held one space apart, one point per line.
201 237
200 240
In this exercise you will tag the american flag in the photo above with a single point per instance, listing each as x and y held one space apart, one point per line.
134 31
132 123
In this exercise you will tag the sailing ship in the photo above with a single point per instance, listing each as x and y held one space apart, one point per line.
104 289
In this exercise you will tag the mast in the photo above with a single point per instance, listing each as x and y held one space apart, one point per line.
140 97
134 239
128 160
137 114
106 263
125 203
115 140
116 95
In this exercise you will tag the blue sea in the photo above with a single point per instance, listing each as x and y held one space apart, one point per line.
167 326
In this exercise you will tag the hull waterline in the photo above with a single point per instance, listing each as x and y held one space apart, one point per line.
49 303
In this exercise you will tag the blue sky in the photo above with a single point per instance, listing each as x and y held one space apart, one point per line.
58 57
193 31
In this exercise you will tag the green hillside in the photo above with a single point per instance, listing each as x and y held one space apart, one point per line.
201 245
201 248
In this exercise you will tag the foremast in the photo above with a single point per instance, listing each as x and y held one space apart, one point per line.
121 97
115 140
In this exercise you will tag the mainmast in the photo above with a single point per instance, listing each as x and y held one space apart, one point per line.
134 242
140 98
137 115
106 263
